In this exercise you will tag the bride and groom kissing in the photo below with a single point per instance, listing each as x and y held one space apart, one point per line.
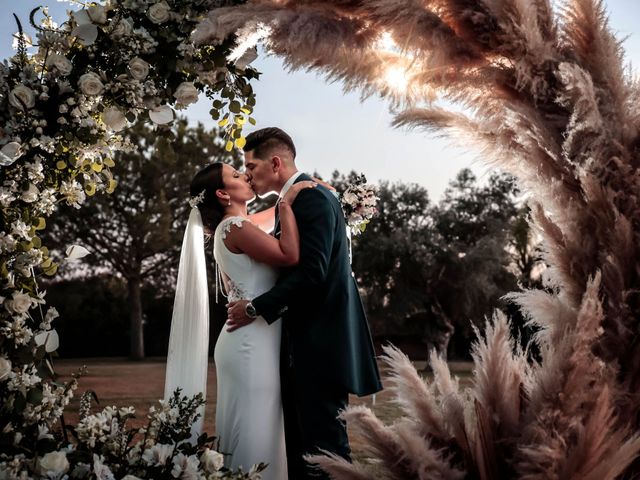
296 342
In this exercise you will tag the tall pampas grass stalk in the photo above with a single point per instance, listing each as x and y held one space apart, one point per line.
544 94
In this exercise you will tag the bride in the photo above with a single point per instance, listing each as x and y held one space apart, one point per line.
249 422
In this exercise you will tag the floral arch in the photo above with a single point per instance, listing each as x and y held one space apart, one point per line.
65 99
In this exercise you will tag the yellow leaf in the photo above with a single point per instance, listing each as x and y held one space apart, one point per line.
46 263
41 223
109 162
61 165
223 122
241 142
241 120
36 242
229 146
97 167
112 185
51 270
90 189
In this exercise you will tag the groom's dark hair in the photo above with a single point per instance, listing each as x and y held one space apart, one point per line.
262 142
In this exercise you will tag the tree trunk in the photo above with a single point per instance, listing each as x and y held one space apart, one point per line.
135 319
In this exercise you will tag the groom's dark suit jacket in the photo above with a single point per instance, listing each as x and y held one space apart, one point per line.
323 316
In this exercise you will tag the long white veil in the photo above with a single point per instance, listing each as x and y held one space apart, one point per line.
187 359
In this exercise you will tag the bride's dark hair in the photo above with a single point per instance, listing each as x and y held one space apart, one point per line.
209 179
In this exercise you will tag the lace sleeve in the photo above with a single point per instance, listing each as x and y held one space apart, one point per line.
228 223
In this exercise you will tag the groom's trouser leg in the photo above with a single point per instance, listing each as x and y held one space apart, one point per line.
317 406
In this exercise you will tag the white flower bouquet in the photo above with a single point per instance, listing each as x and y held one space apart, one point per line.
359 202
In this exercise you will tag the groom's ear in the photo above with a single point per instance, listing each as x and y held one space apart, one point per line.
276 163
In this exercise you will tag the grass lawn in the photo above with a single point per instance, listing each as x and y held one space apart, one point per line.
120 382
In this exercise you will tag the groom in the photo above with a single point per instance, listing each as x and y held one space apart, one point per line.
327 351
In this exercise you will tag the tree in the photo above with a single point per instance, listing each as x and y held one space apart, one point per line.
136 232
433 271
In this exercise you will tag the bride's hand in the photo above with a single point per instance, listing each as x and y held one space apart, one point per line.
324 184
296 188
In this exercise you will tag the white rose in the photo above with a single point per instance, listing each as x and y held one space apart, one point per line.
19 303
54 462
211 460
159 13
31 194
60 62
5 368
97 13
10 153
186 93
90 84
22 97
122 28
138 68
114 119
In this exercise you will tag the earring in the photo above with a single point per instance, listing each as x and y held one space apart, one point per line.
229 202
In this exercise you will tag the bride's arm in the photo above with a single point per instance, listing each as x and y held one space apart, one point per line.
264 248
264 219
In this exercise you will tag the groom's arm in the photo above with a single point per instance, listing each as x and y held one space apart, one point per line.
317 223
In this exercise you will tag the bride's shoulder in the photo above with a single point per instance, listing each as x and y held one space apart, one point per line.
227 224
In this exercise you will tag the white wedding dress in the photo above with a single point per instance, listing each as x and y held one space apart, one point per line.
249 422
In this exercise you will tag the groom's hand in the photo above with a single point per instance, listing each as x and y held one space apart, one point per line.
237 316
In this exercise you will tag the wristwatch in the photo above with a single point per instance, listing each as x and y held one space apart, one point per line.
250 311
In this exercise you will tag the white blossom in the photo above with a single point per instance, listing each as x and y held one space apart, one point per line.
7 242
185 467
54 464
24 379
101 471
19 302
21 229
138 68
5 368
186 93
114 119
211 460
123 28
72 192
60 63
90 84
158 454
22 97
30 195
159 12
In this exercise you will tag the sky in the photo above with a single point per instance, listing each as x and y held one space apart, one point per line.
333 130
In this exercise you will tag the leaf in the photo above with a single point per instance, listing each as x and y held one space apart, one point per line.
42 223
112 185
252 120
90 189
241 142
234 107
61 164
223 122
229 146
109 162
36 242
51 271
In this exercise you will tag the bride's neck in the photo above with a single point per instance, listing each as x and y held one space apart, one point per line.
235 210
